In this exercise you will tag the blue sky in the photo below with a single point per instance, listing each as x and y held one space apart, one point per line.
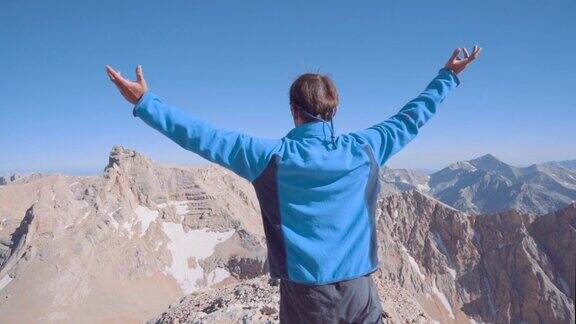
231 63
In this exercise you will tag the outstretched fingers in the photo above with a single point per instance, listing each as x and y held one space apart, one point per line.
140 76
455 54
115 77
466 54
476 52
112 73
130 90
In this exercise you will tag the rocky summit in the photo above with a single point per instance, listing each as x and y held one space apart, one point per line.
163 244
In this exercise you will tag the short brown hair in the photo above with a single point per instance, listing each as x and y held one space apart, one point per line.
315 94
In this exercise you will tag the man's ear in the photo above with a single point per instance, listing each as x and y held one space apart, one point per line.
294 113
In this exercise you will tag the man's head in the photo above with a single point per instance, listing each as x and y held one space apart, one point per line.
315 94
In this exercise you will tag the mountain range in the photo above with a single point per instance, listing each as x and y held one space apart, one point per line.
144 241
487 185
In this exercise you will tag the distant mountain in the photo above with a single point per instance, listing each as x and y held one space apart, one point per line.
487 185
570 164
393 181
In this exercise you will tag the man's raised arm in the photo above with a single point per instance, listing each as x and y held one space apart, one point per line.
390 136
245 155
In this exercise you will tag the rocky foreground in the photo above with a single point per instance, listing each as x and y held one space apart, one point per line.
256 301
166 244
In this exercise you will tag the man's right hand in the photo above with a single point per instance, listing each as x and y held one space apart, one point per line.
457 64
130 90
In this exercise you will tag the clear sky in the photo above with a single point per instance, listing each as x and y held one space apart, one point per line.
231 63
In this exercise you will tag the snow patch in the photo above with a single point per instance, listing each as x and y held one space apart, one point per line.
442 299
422 187
145 216
413 263
440 243
198 244
442 246
5 281
217 275
452 272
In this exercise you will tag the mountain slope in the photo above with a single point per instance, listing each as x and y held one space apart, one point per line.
122 246
507 267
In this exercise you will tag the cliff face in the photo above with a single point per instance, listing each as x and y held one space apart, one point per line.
507 267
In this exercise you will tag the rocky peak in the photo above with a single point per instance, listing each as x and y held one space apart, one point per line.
126 159
120 155
487 162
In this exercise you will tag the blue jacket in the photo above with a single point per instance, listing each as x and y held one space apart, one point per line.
318 200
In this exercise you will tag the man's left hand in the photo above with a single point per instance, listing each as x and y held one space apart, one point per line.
457 64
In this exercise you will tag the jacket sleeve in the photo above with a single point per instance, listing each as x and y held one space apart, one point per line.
390 136
244 155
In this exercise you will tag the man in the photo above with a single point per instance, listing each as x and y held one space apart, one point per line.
317 191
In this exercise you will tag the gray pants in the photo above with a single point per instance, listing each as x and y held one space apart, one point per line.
350 301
